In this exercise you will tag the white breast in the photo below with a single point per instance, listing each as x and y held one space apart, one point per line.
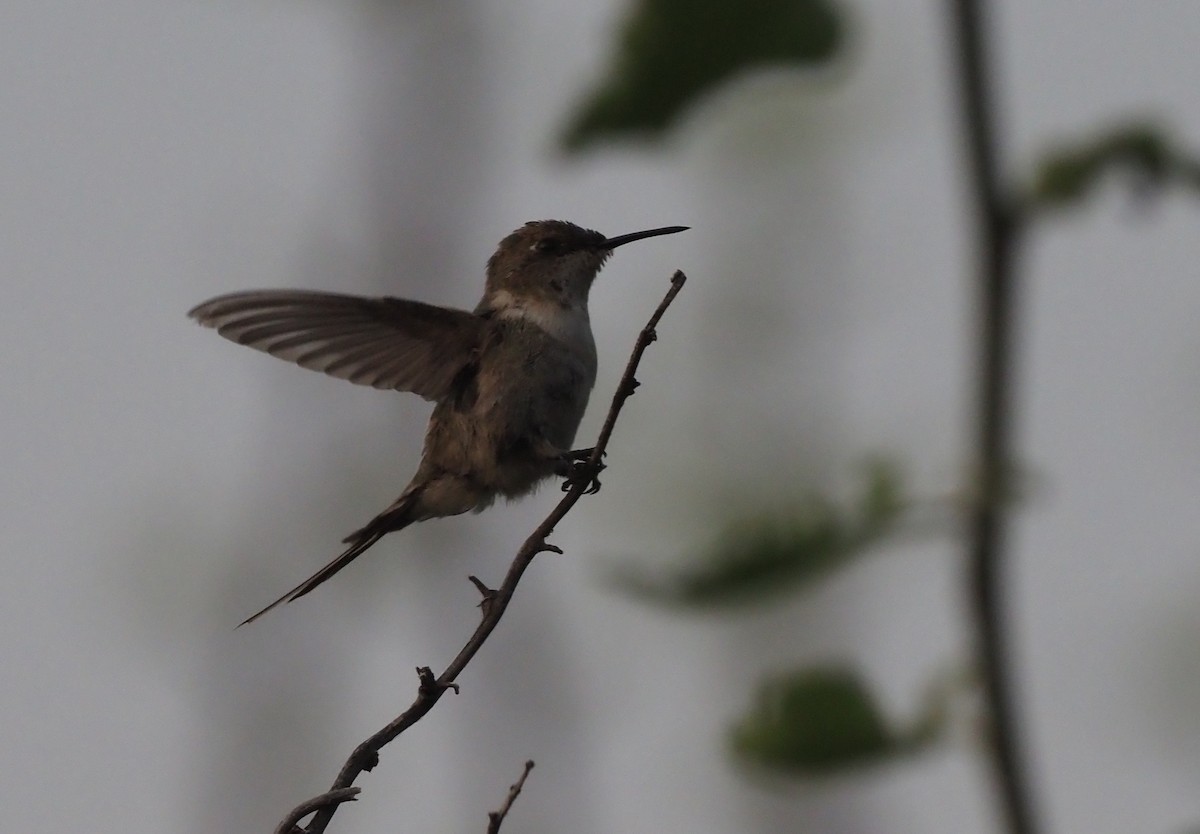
569 325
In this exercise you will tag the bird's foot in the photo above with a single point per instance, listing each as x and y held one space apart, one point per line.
580 455
567 463
578 469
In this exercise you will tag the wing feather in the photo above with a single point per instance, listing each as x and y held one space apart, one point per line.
387 343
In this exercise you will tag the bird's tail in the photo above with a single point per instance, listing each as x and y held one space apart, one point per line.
394 518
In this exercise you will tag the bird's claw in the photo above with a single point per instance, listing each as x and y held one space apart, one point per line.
586 473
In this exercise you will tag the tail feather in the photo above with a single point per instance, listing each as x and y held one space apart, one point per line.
392 519
353 552
396 517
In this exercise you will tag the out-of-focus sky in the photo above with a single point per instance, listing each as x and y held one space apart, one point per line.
160 483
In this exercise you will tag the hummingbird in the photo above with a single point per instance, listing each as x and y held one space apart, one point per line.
510 380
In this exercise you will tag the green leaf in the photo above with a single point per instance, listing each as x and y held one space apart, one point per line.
671 52
814 722
768 555
1139 150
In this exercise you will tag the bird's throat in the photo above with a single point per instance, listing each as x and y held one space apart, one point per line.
569 324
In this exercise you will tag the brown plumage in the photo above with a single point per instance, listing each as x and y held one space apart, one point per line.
511 380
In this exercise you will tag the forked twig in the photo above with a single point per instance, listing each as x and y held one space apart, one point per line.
329 799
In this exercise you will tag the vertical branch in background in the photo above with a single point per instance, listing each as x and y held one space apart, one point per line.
998 231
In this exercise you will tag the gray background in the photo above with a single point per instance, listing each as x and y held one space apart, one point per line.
160 484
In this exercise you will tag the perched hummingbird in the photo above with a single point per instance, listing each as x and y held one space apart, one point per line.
511 380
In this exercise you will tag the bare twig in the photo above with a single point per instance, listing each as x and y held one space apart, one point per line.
334 797
496 818
999 232
431 689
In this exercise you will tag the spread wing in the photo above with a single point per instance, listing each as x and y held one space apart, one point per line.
386 343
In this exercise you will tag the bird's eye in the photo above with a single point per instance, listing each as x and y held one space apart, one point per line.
548 246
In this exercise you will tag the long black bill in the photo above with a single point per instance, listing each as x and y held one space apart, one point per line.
621 240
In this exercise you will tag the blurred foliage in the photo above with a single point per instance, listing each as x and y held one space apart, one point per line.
671 52
757 557
816 722
1141 151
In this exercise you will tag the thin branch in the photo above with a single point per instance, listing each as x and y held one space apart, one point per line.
325 800
999 232
496 818
431 689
